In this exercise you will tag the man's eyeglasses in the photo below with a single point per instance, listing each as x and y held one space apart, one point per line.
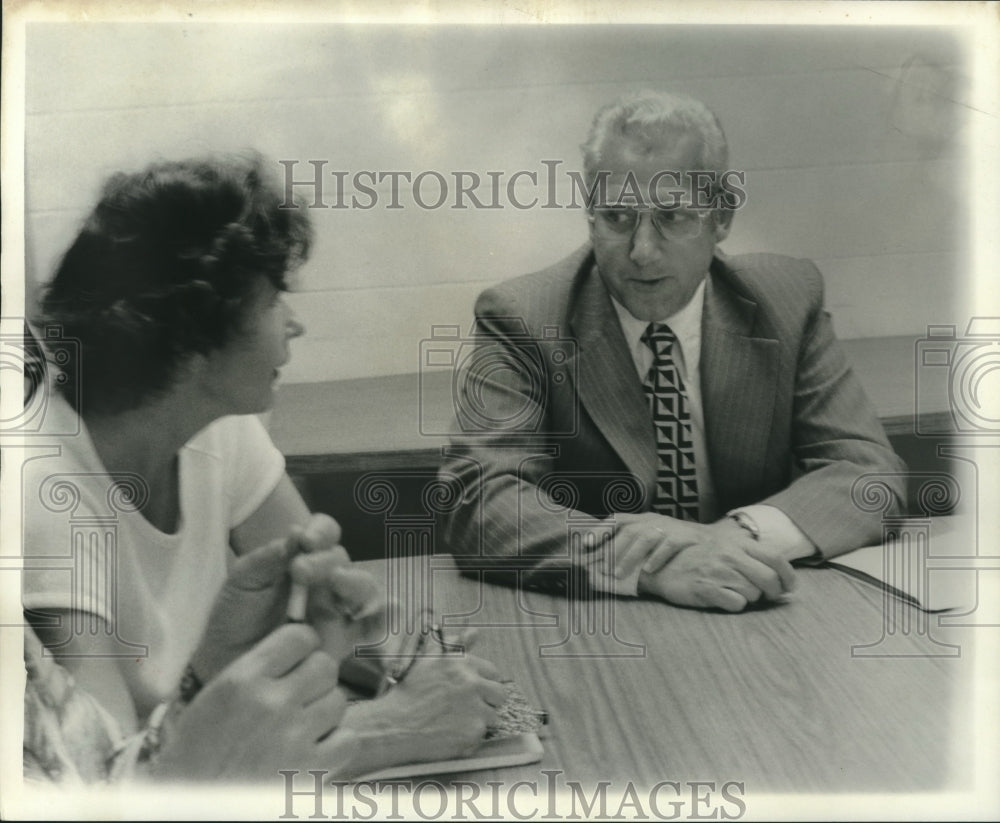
620 222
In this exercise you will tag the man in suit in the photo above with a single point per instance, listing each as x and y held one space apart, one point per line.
651 416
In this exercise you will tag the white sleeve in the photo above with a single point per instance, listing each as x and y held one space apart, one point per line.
778 532
253 466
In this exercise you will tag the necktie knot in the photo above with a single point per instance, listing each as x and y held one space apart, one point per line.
660 339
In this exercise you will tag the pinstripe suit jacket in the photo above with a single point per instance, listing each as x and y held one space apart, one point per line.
553 430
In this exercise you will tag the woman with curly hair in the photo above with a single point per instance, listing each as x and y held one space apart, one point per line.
174 289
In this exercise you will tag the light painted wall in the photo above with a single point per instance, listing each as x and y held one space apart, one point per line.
850 159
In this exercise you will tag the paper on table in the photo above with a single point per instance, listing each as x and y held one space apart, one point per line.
511 740
941 585
492 754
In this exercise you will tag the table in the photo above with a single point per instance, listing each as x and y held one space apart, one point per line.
780 699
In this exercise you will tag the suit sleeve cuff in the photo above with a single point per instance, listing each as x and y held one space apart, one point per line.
623 579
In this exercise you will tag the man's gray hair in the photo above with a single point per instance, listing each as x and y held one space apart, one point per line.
648 117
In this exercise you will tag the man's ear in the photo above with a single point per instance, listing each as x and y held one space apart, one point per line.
722 222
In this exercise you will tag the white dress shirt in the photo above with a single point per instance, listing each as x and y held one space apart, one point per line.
777 531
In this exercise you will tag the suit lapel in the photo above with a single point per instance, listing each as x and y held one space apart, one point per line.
607 383
738 376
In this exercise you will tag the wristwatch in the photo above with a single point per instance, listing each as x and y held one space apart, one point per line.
745 521
189 686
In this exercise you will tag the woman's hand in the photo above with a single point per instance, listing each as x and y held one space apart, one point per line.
254 599
273 708
346 606
440 711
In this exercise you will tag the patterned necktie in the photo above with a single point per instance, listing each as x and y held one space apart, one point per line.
676 482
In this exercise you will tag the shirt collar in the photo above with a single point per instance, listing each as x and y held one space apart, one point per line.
685 324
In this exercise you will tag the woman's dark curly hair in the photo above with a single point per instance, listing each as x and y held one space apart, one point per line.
162 270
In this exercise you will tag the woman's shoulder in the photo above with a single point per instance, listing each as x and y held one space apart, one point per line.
229 436
234 456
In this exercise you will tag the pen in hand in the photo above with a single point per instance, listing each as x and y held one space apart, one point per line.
297 598
299 592
323 570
